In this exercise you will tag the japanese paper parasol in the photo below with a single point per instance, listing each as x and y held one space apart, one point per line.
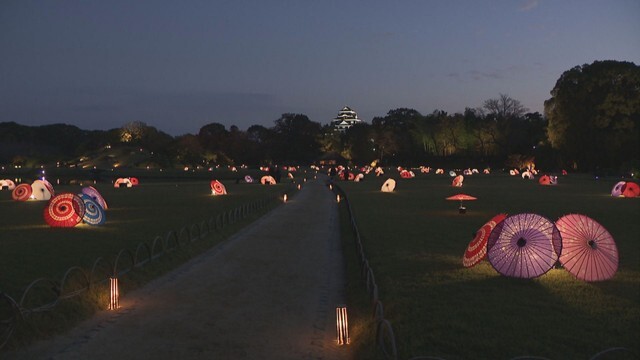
248 179
588 250
22 192
7 184
267 179
461 198
618 188
122 182
477 249
41 190
524 246
134 181
95 195
217 188
544 180
457 181
93 213
64 210
631 189
388 186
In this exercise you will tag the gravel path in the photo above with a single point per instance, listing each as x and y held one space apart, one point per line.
269 292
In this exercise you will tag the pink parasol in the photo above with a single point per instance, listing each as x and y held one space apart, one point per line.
524 246
268 180
588 250
457 181
461 198
477 249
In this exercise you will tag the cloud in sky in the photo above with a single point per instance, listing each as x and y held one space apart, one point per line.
528 5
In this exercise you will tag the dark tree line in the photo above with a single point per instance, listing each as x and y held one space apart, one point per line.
591 124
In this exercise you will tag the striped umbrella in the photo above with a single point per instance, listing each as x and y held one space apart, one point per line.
477 249
96 196
94 213
22 192
217 188
64 210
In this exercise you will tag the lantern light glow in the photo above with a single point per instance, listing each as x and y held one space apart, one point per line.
342 325
114 295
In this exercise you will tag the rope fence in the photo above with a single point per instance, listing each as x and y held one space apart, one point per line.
44 294
385 337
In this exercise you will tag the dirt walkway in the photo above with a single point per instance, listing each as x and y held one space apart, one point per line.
269 292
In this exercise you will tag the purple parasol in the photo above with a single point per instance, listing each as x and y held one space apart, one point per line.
524 246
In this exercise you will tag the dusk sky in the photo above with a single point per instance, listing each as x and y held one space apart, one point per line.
179 65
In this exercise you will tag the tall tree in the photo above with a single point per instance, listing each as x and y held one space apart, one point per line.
297 138
594 115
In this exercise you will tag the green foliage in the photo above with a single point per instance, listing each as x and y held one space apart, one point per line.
594 115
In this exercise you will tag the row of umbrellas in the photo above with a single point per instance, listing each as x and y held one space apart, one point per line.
528 245
38 190
625 189
126 182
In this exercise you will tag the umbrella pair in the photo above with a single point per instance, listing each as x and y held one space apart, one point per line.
68 210
528 245
625 189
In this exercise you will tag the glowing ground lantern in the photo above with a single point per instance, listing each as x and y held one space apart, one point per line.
338 198
114 294
342 325
284 197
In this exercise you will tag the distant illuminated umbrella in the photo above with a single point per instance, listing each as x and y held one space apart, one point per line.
64 210
388 186
22 192
631 189
528 175
406 174
248 179
524 246
96 196
134 181
93 213
7 184
457 181
122 182
41 190
477 249
217 188
359 178
588 250
461 198
544 180
618 188
268 180
452 173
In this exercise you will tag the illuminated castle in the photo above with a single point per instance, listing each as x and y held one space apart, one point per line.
346 118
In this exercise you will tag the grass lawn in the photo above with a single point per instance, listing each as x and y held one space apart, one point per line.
30 249
415 239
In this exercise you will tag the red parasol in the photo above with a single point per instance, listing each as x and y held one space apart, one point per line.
22 192
588 250
217 188
477 249
134 181
524 246
457 181
544 180
461 198
64 210
631 189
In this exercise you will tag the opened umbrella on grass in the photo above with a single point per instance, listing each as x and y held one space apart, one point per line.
461 198
22 192
524 246
477 249
588 249
388 186
64 210
94 213
96 196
